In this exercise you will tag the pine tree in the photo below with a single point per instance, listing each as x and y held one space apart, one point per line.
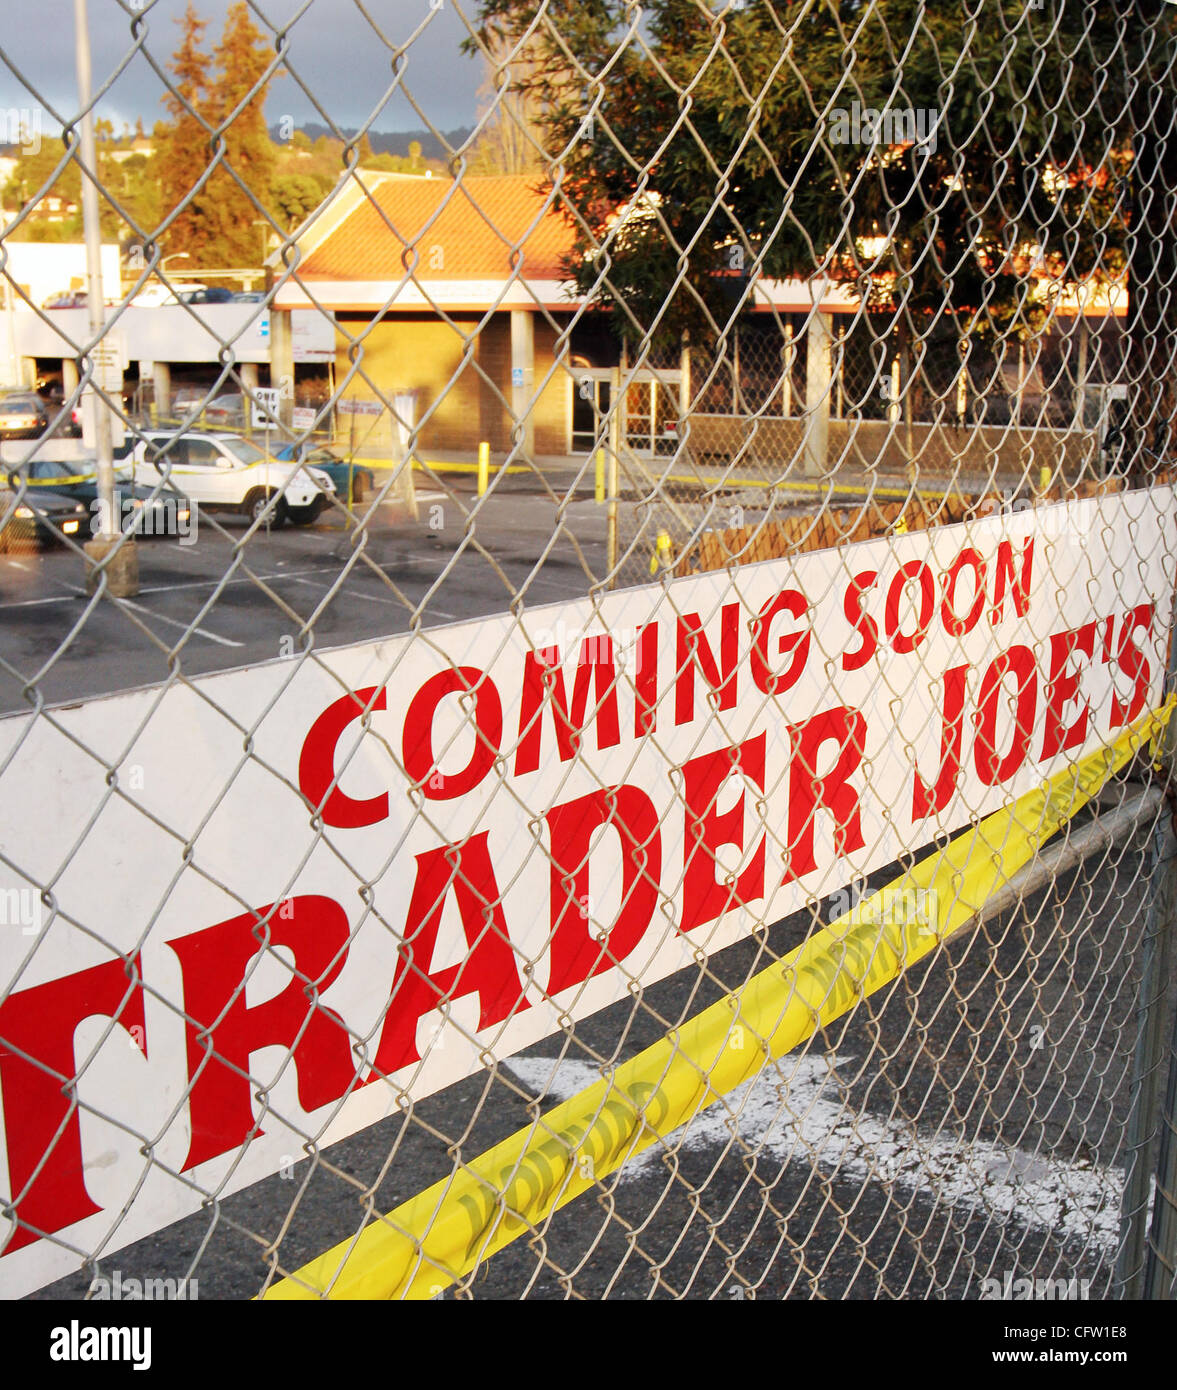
239 108
183 152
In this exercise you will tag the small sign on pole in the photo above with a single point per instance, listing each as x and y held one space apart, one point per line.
264 407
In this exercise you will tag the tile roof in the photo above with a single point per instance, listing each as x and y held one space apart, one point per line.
479 222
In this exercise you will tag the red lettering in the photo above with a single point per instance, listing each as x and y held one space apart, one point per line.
765 679
223 1030
316 764
417 739
489 970
645 713
694 650
1063 687
854 606
37 1070
1133 662
910 572
1005 577
704 896
926 800
830 792
953 623
575 955
991 766
543 669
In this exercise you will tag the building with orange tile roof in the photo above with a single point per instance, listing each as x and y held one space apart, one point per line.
457 290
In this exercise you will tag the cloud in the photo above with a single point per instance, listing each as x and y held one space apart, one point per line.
336 53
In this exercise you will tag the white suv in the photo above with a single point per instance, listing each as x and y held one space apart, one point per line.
227 471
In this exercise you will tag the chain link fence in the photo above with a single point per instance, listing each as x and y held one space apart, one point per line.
586 705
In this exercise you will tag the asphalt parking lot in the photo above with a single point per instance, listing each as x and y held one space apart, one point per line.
230 598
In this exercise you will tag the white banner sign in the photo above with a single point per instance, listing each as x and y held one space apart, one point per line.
612 789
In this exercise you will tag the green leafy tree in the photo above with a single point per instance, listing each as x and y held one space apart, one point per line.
294 197
703 151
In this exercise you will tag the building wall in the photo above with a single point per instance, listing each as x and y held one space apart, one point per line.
423 353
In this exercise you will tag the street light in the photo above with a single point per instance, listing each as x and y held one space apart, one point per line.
175 256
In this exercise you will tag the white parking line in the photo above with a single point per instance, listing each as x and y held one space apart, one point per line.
798 1113
378 598
184 627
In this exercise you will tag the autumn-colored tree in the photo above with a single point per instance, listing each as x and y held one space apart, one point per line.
511 111
241 185
184 151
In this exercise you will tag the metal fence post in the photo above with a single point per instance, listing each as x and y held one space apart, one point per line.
1161 1267
1133 1269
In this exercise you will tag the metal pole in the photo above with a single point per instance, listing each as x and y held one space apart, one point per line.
121 574
1160 1275
614 446
1155 952
95 299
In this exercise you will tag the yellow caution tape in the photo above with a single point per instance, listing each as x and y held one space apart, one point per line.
442 1234
60 482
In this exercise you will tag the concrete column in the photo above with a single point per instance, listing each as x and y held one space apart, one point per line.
69 376
818 376
523 376
249 376
282 361
161 376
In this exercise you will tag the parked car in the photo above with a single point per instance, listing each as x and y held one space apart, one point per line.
23 416
71 299
156 511
225 471
207 294
250 297
226 412
152 295
30 520
340 470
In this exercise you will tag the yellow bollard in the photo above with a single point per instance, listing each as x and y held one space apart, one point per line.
1044 478
483 468
599 491
663 556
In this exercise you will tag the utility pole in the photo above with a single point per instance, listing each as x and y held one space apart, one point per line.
115 554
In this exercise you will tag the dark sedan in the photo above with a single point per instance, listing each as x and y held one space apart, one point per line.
31 518
23 415
148 511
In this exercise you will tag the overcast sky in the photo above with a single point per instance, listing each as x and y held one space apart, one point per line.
335 51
